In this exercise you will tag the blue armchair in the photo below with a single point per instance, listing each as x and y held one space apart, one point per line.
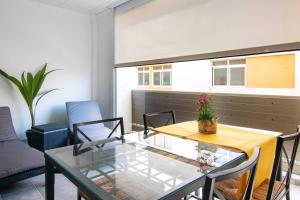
87 111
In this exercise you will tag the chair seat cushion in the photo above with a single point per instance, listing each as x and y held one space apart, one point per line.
260 193
17 157
95 132
229 188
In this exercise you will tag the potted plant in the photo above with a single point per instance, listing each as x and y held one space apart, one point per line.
207 122
29 86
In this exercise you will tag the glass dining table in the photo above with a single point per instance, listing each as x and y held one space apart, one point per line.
156 166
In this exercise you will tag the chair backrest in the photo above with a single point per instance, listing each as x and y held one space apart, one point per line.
77 127
7 131
281 153
82 111
157 119
248 166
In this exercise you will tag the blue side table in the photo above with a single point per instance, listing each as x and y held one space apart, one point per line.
48 136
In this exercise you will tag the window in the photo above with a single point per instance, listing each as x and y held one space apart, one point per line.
162 75
229 72
143 76
155 76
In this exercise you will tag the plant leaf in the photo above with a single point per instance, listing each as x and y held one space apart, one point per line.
29 81
38 80
18 84
26 87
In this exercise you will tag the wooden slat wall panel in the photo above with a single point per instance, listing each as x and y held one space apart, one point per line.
275 113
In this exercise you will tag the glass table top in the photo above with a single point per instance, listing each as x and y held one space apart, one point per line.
140 168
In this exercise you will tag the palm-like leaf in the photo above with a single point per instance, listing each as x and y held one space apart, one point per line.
16 82
29 87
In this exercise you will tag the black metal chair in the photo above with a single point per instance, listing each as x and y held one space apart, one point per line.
209 190
157 119
77 130
278 189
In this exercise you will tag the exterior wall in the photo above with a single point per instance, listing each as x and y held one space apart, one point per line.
276 71
192 76
32 34
126 80
265 74
267 91
196 76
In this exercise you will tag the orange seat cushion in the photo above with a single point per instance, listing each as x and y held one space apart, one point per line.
229 189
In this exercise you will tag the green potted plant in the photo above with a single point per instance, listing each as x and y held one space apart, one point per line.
207 121
29 86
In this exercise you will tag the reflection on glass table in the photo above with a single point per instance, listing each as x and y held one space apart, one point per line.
207 154
154 168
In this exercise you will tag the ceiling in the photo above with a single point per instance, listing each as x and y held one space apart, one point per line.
85 6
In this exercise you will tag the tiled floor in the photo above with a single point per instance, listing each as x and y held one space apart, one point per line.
34 189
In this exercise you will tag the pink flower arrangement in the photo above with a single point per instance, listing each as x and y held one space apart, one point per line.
205 109
204 98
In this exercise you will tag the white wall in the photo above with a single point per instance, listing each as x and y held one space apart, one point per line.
191 76
32 34
126 82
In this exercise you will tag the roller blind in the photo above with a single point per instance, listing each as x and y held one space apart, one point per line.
164 29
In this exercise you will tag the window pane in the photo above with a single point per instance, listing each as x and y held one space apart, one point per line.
237 76
219 62
156 78
167 78
146 78
237 62
220 76
140 81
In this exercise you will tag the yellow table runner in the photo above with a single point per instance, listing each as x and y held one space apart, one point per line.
234 137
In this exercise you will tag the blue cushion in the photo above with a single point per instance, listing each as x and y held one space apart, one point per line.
85 111
82 111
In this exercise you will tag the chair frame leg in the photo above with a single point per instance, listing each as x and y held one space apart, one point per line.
78 195
287 196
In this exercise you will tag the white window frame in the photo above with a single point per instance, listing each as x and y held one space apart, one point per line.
228 67
161 75
143 72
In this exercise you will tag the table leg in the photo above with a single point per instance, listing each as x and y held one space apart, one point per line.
49 179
